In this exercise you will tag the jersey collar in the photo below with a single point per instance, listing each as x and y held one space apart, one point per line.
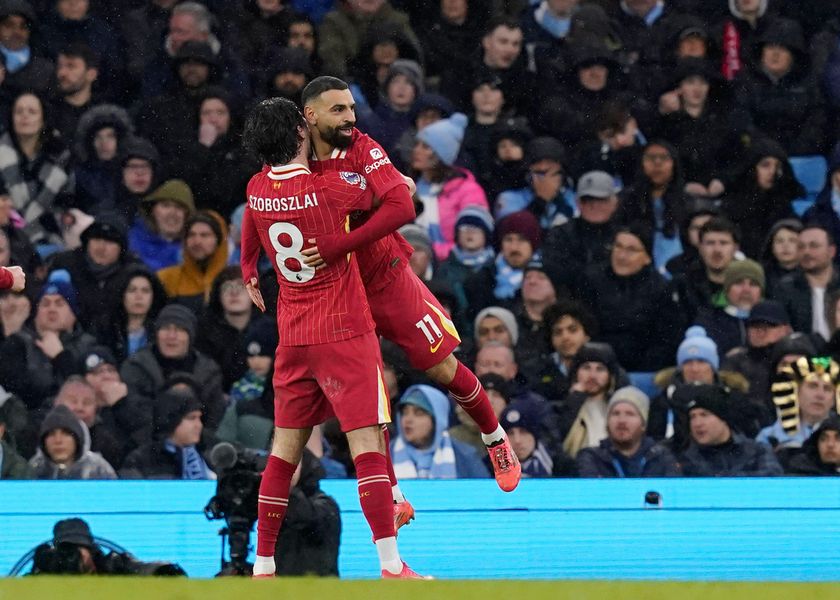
289 171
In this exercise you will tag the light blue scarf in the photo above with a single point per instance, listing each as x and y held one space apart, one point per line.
474 260
438 460
16 59
556 26
652 16
193 466
508 279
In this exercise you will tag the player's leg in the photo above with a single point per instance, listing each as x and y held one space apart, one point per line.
285 456
403 511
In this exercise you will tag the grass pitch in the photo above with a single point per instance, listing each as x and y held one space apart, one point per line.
130 588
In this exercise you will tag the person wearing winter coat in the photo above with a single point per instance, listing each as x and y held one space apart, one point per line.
12 415
176 452
443 189
820 456
522 420
423 448
627 451
825 208
780 257
157 232
63 453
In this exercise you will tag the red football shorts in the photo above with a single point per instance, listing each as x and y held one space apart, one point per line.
408 314
313 383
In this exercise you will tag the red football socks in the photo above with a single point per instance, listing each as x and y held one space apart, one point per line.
375 493
469 393
273 502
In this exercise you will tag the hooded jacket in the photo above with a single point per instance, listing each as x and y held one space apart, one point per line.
808 461
86 464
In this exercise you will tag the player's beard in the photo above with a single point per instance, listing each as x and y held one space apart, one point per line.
335 138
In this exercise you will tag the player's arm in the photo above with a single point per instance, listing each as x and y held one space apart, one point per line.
396 208
249 255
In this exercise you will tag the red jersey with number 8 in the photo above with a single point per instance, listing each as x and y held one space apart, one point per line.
380 261
286 206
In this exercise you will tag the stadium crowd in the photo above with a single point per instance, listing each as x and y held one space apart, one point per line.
616 202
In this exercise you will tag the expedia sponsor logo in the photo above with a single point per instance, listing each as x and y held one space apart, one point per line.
375 153
375 165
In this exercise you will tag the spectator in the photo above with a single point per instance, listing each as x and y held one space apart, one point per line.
539 292
472 250
15 310
443 189
778 96
702 284
805 394
205 255
381 47
288 72
422 260
391 116
71 22
522 420
30 139
142 28
825 209
766 325
308 543
76 72
12 464
97 267
546 28
260 26
487 102
507 168
587 238
302 34
36 360
568 326
62 452
698 212
657 198
19 250
820 454
250 420
582 416
467 431
780 257
345 27
743 288
223 325
715 450
25 70
173 351
546 197
423 448
627 451
645 25
140 168
496 324
453 33
157 232
761 194
119 413
429 108
190 23
632 303
215 166
803 292
519 237
617 147
259 343
738 37
501 52
176 452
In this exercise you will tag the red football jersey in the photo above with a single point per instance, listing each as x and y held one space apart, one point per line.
366 157
287 206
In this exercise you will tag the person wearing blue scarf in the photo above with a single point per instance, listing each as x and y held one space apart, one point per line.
523 421
423 448
176 452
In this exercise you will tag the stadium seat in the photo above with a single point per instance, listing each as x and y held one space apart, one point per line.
811 173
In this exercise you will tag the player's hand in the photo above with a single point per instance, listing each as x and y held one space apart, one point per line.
50 344
313 257
412 188
18 278
254 292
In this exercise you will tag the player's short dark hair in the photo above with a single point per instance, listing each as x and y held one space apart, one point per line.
829 235
272 131
319 85
83 51
573 309
720 225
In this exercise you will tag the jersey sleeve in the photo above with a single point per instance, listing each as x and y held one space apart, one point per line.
347 190
6 279
373 162
249 245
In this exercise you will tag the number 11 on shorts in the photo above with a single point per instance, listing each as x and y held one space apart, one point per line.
427 326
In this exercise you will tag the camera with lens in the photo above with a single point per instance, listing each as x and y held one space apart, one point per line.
237 489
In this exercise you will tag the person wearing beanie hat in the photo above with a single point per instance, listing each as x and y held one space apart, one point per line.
204 256
495 324
546 194
743 288
443 189
175 451
179 316
715 449
259 343
63 450
523 421
633 305
805 392
156 234
627 451
478 218
422 260
472 251
697 347
820 454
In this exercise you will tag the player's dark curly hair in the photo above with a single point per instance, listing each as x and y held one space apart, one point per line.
272 131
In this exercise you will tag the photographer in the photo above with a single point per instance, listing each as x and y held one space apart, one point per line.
308 542
73 551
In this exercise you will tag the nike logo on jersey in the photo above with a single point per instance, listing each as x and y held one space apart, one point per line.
436 346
